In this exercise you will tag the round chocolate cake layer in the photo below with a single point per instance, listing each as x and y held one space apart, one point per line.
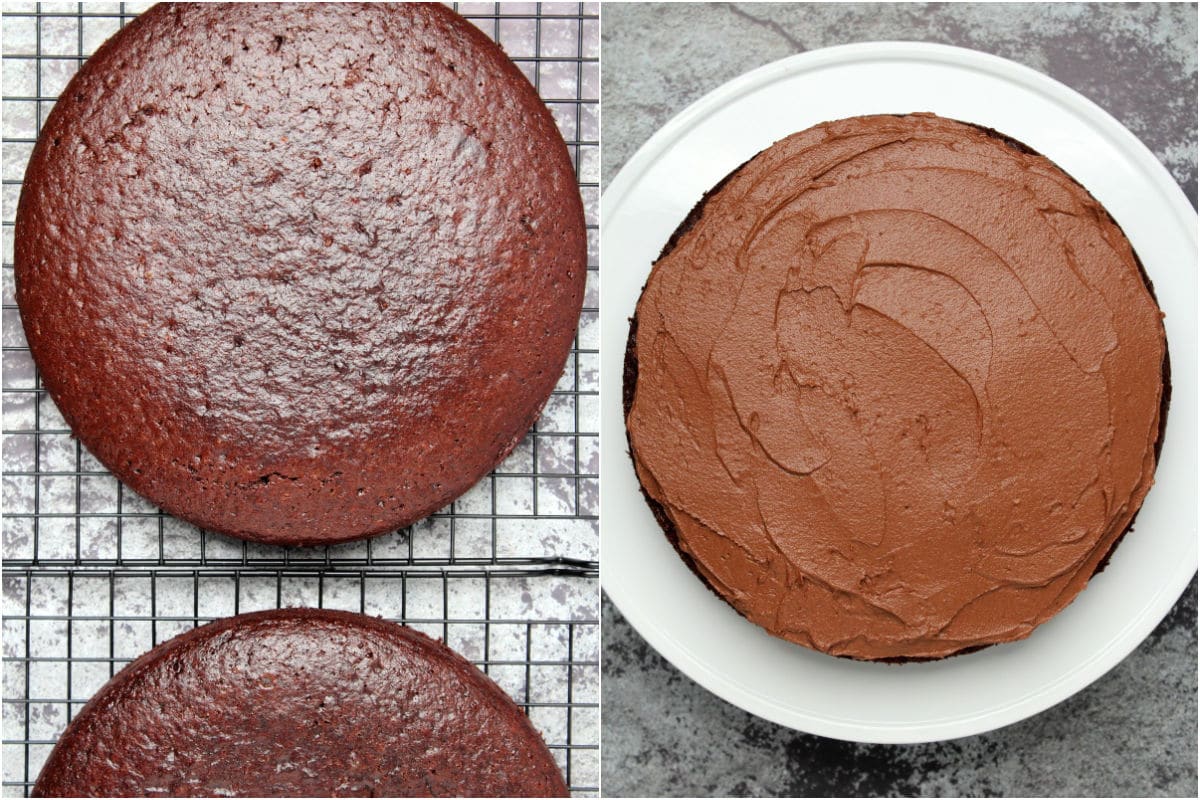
895 388
300 703
300 273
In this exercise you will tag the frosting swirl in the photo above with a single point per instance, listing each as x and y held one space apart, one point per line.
898 388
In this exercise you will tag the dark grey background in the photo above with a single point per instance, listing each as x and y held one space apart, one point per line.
1133 732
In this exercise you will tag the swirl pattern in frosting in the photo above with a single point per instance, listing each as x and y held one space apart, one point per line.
897 389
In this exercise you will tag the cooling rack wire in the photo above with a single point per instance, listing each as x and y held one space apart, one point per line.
506 575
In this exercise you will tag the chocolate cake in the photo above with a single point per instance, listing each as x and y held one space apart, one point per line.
895 387
300 703
300 273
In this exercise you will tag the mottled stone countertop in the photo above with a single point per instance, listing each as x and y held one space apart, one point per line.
1133 732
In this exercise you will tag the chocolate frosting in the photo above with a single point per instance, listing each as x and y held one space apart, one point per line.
898 388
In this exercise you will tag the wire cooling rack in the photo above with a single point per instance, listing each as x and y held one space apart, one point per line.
507 574
66 632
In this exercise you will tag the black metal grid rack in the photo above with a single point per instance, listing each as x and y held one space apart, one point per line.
506 575
67 631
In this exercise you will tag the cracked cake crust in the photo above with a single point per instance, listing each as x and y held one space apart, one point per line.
300 274
300 703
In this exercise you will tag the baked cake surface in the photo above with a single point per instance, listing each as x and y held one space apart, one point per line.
300 703
894 388
300 273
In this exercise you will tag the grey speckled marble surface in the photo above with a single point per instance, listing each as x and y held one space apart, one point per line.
1133 732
